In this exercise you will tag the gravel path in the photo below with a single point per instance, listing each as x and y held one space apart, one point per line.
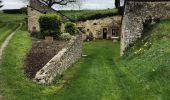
5 44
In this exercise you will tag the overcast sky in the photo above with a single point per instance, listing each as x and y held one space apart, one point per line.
87 4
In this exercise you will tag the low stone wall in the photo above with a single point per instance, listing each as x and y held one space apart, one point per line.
137 14
59 63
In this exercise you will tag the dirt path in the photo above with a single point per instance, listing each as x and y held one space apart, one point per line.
5 44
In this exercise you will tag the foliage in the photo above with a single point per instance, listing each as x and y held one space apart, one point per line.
50 25
12 18
117 3
142 74
82 15
65 36
148 60
12 11
8 24
70 28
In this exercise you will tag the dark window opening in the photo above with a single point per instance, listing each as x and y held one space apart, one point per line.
105 33
114 32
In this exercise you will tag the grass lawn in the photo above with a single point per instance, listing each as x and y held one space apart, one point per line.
8 24
11 18
99 76
88 14
102 75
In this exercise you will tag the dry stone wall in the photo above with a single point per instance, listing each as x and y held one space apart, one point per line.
61 62
136 14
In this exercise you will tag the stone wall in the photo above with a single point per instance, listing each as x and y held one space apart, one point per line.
33 16
136 14
35 9
96 26
59 63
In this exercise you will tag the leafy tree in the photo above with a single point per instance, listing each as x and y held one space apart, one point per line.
1 4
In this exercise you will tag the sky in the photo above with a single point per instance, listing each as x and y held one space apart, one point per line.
87 4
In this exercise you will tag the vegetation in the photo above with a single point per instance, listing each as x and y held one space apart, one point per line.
117 3
11 18
87 75
65 36
82 15
148 60
8 24
70 28
5 30
13 11
142 74
50 25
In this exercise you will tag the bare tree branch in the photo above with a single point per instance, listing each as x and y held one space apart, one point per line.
50 3
1 4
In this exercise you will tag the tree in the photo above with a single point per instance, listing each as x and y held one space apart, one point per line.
50 3
117 3
1 4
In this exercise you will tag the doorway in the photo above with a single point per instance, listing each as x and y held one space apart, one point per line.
105 33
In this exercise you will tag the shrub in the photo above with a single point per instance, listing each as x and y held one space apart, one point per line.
70 28
65 36
50 25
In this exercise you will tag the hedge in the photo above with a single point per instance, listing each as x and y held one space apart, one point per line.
70 28
50 25
12 11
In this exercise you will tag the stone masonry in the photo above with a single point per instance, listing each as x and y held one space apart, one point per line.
35 9
96 27
62 61
136 14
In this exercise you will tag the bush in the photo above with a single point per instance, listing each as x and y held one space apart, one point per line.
50 25
65 36
70 28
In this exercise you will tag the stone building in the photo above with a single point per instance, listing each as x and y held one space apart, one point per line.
104 28
137 13
35 9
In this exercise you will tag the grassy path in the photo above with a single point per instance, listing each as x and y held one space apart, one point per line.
6 30
102 76
5 43
99 76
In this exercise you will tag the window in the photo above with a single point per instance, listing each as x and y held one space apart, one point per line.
114 32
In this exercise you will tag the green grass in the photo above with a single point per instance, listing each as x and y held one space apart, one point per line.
89 14
8 22
142 74
11 18
149 60
6 30
88 75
